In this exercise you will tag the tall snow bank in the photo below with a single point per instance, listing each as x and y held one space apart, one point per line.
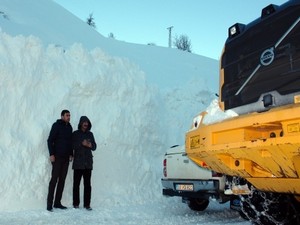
134 120
37 82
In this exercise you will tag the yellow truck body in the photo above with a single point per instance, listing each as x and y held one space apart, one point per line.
258 149
263 148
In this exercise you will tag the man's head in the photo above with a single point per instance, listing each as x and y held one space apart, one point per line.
84 124
65 115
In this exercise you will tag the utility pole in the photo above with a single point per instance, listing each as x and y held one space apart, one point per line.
170 36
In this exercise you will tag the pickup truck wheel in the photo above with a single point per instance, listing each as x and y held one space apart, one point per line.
198 204
270 208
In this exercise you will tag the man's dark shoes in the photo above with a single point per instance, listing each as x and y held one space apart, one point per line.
76 207
49 208
60 206
88 208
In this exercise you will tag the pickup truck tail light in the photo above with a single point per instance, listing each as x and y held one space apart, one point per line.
215 174
165 167
203 164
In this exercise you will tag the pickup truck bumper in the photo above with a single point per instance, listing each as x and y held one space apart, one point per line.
193 188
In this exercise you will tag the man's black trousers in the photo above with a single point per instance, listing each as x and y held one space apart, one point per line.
58 177
86 174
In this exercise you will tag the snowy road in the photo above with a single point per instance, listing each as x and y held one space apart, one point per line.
170 211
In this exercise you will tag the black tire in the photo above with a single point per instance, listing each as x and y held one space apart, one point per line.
198 204
242 214
235 204
267 208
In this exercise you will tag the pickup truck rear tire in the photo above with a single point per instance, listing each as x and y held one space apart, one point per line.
198 204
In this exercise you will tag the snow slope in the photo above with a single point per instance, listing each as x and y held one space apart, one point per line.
140 99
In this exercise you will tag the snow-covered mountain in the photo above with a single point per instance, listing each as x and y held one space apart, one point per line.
141 99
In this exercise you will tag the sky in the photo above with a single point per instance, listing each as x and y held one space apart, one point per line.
204 22
135 118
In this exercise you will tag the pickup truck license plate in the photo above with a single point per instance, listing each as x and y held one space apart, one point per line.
184 187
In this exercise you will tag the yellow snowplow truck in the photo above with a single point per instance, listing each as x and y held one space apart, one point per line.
260 147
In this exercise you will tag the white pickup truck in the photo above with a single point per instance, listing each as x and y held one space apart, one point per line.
196 185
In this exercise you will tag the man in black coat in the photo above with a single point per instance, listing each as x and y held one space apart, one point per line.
60 151
83 144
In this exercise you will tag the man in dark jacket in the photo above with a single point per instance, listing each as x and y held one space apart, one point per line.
83 144
60 150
